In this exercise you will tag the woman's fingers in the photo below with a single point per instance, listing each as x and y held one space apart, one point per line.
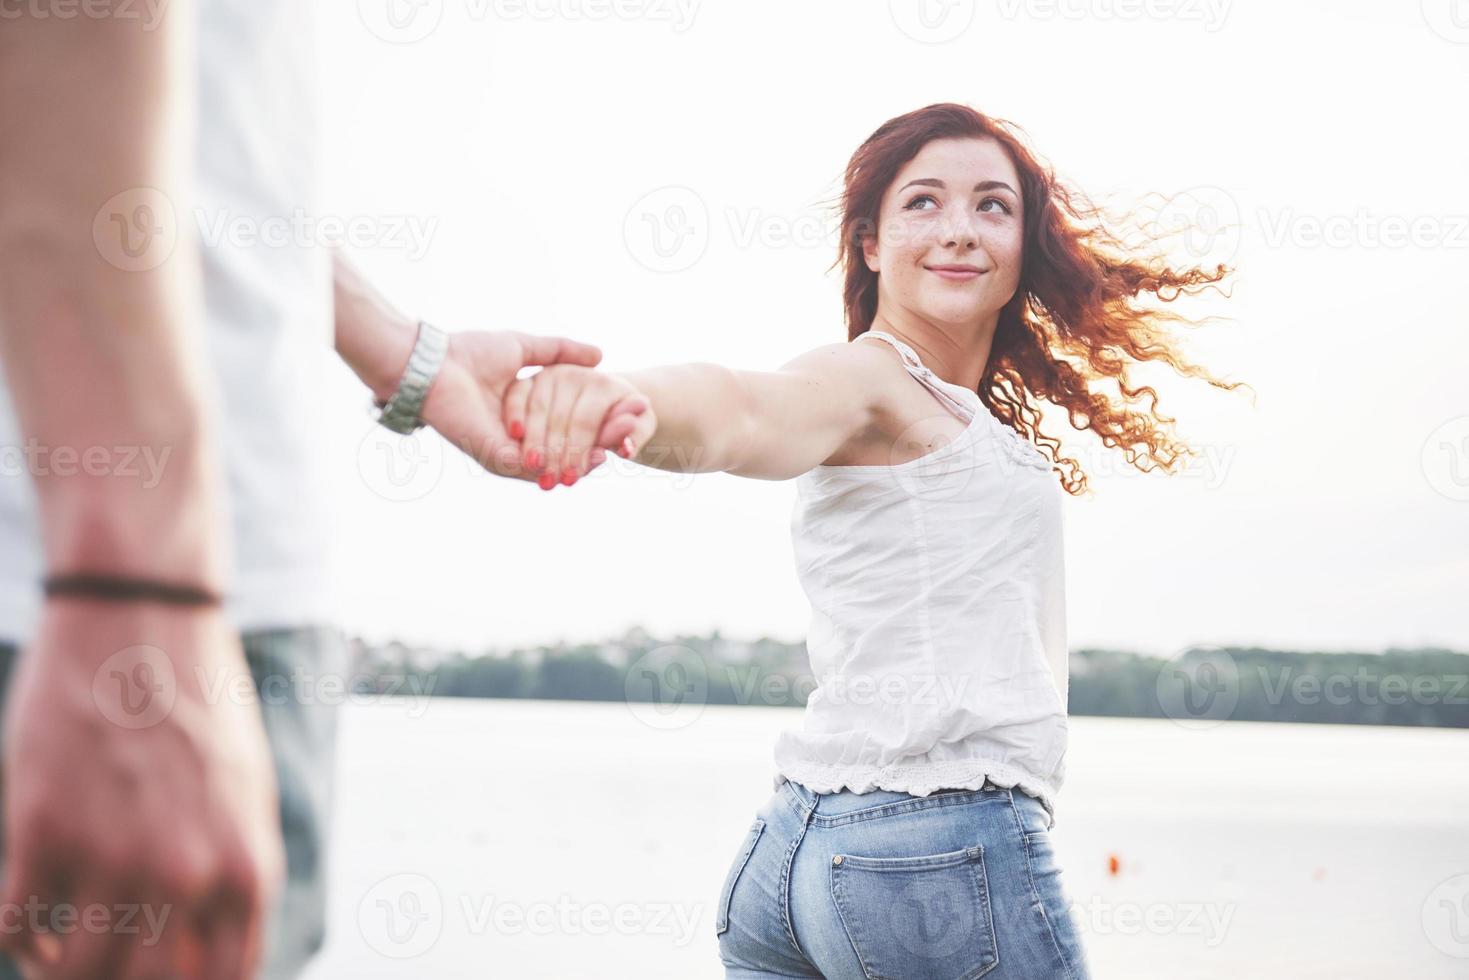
596 402
538 404
621 421
513 408
643 427
568 390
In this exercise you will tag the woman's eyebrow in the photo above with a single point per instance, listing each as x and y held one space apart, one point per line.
983 185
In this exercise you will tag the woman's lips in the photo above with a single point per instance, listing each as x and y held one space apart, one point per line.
956 275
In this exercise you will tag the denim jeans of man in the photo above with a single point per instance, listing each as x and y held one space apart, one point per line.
888 886
296 672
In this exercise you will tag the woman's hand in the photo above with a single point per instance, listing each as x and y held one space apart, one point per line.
562 413
464 403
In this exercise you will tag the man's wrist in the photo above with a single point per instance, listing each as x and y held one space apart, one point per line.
389 346
371 336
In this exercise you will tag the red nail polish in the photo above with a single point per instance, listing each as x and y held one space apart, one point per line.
517 431
568 476
546 481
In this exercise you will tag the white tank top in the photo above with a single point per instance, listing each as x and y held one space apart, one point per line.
938 615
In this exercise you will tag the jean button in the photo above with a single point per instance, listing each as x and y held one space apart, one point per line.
837 859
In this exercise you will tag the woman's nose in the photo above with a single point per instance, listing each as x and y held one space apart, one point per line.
960 233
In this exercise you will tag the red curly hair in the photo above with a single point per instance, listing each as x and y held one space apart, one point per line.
1079 315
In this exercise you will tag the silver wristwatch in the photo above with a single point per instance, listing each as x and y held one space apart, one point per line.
400 413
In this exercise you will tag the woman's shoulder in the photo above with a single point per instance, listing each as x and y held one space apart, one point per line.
872 366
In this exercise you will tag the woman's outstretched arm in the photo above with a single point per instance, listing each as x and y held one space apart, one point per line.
704 418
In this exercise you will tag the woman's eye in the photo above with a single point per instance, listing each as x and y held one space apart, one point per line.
911 205
1005 207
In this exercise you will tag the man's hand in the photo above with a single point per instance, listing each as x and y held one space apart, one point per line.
465 403
142 823
567 415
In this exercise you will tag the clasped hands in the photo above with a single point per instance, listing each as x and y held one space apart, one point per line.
552 427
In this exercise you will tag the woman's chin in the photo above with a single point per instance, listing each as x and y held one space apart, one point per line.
957 311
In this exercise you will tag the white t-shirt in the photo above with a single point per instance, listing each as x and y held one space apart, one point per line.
938 615
267 324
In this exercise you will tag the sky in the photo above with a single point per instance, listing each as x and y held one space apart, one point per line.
650 175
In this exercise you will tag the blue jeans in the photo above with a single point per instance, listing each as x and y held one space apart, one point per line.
888 886
302 734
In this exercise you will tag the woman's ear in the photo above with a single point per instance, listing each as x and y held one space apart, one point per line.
869 251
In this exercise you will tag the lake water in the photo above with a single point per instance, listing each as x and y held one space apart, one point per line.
531 839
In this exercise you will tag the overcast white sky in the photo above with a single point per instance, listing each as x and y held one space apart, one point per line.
539 146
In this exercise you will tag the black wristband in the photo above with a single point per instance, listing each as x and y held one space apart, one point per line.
122 588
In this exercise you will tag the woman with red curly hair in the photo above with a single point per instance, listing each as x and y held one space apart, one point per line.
909 831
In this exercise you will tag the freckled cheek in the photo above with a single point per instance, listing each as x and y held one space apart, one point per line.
1006 253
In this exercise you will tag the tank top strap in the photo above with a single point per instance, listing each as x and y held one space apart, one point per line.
938 386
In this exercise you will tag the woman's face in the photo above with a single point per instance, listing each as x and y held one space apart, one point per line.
950 233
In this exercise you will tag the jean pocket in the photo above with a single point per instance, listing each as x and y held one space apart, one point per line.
925 916
721 922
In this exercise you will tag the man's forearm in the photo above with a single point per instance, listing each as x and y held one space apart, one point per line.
95 335
371 335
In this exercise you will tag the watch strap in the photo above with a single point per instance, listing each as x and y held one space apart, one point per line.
401 412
